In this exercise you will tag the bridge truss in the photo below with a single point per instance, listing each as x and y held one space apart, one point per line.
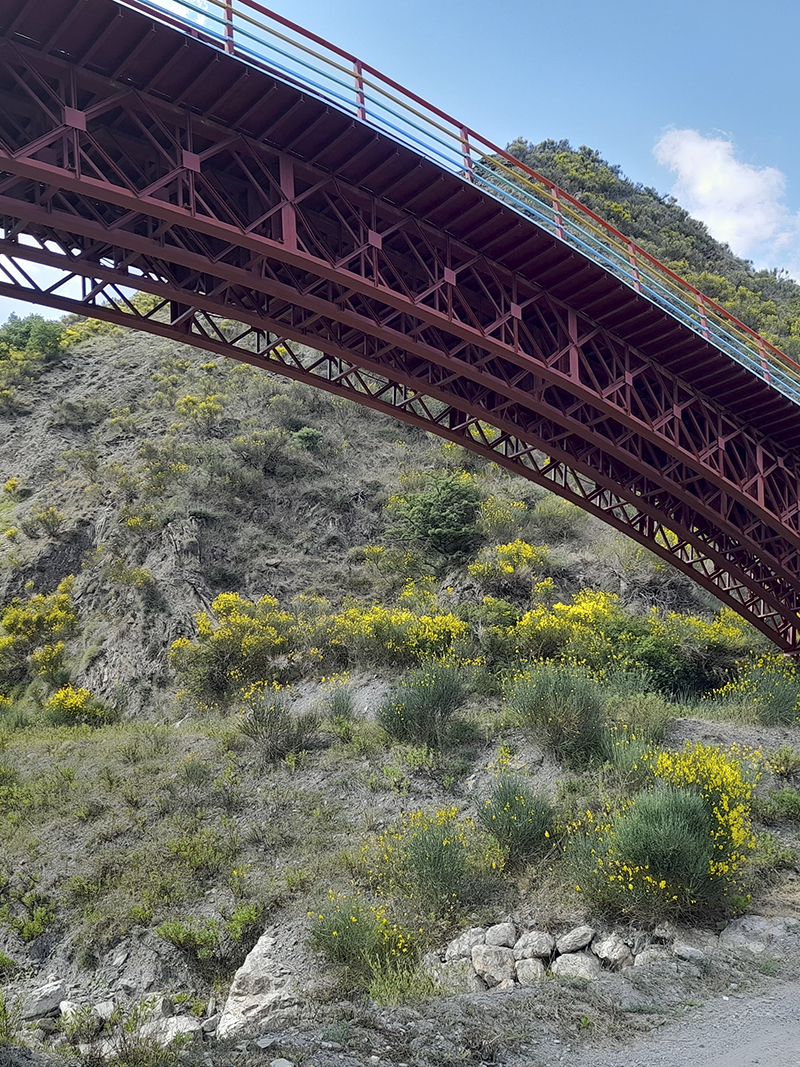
280 231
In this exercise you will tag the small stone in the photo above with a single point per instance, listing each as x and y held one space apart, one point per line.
501 935
536 943
493 964
684 951
69 1009
577 965
530 971
265 1042
210 1024
688 970
461 948
281 1062
163 1008
164 1031
505 986
105 1009
575 939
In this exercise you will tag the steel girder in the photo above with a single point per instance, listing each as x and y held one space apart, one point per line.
126 191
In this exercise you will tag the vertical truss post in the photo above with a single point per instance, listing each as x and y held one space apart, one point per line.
559 218
701 307
466 154
361 100
229 45
634 260
288 216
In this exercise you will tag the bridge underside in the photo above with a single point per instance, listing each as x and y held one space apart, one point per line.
277 231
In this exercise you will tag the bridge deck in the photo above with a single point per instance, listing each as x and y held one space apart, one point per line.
132 49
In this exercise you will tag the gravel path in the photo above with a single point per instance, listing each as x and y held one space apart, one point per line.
738 1031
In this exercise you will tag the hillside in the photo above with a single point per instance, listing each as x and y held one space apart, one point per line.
267 656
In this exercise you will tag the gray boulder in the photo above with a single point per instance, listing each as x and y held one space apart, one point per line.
530 971
575 939
612 950
752 933
501 935
263 989
44 1000
536 943
493 964
461 948
577 965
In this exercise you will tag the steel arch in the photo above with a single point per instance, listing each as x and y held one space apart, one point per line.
416 298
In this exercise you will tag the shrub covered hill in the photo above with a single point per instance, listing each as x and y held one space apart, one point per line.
269 660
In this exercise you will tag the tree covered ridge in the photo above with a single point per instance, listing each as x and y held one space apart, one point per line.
767 301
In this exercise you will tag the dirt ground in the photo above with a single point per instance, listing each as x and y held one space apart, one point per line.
730 1031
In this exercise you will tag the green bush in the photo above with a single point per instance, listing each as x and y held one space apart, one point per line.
626 752
559 520
440 861
271 727
215 943
563 705
360 937
769 687
780 804
441 515
517 818
668 831
420 708
437 859
200 938
681 847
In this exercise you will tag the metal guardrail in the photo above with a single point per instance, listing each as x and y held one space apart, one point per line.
264 39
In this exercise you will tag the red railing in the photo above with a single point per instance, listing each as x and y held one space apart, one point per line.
263 38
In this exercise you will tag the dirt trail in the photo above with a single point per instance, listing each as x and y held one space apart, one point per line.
739 1031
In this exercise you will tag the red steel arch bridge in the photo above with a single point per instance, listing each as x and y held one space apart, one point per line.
291 207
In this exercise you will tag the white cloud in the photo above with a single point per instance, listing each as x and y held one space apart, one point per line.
741 204
187 10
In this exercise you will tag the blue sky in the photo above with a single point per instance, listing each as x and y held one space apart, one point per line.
697 98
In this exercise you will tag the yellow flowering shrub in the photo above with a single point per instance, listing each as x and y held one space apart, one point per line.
432 859
676 848
363 939
27 626
395 635
587 630
726 781
499 516
768 686
241 643
509 568
75 707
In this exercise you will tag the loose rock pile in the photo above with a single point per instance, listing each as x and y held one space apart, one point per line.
501 957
